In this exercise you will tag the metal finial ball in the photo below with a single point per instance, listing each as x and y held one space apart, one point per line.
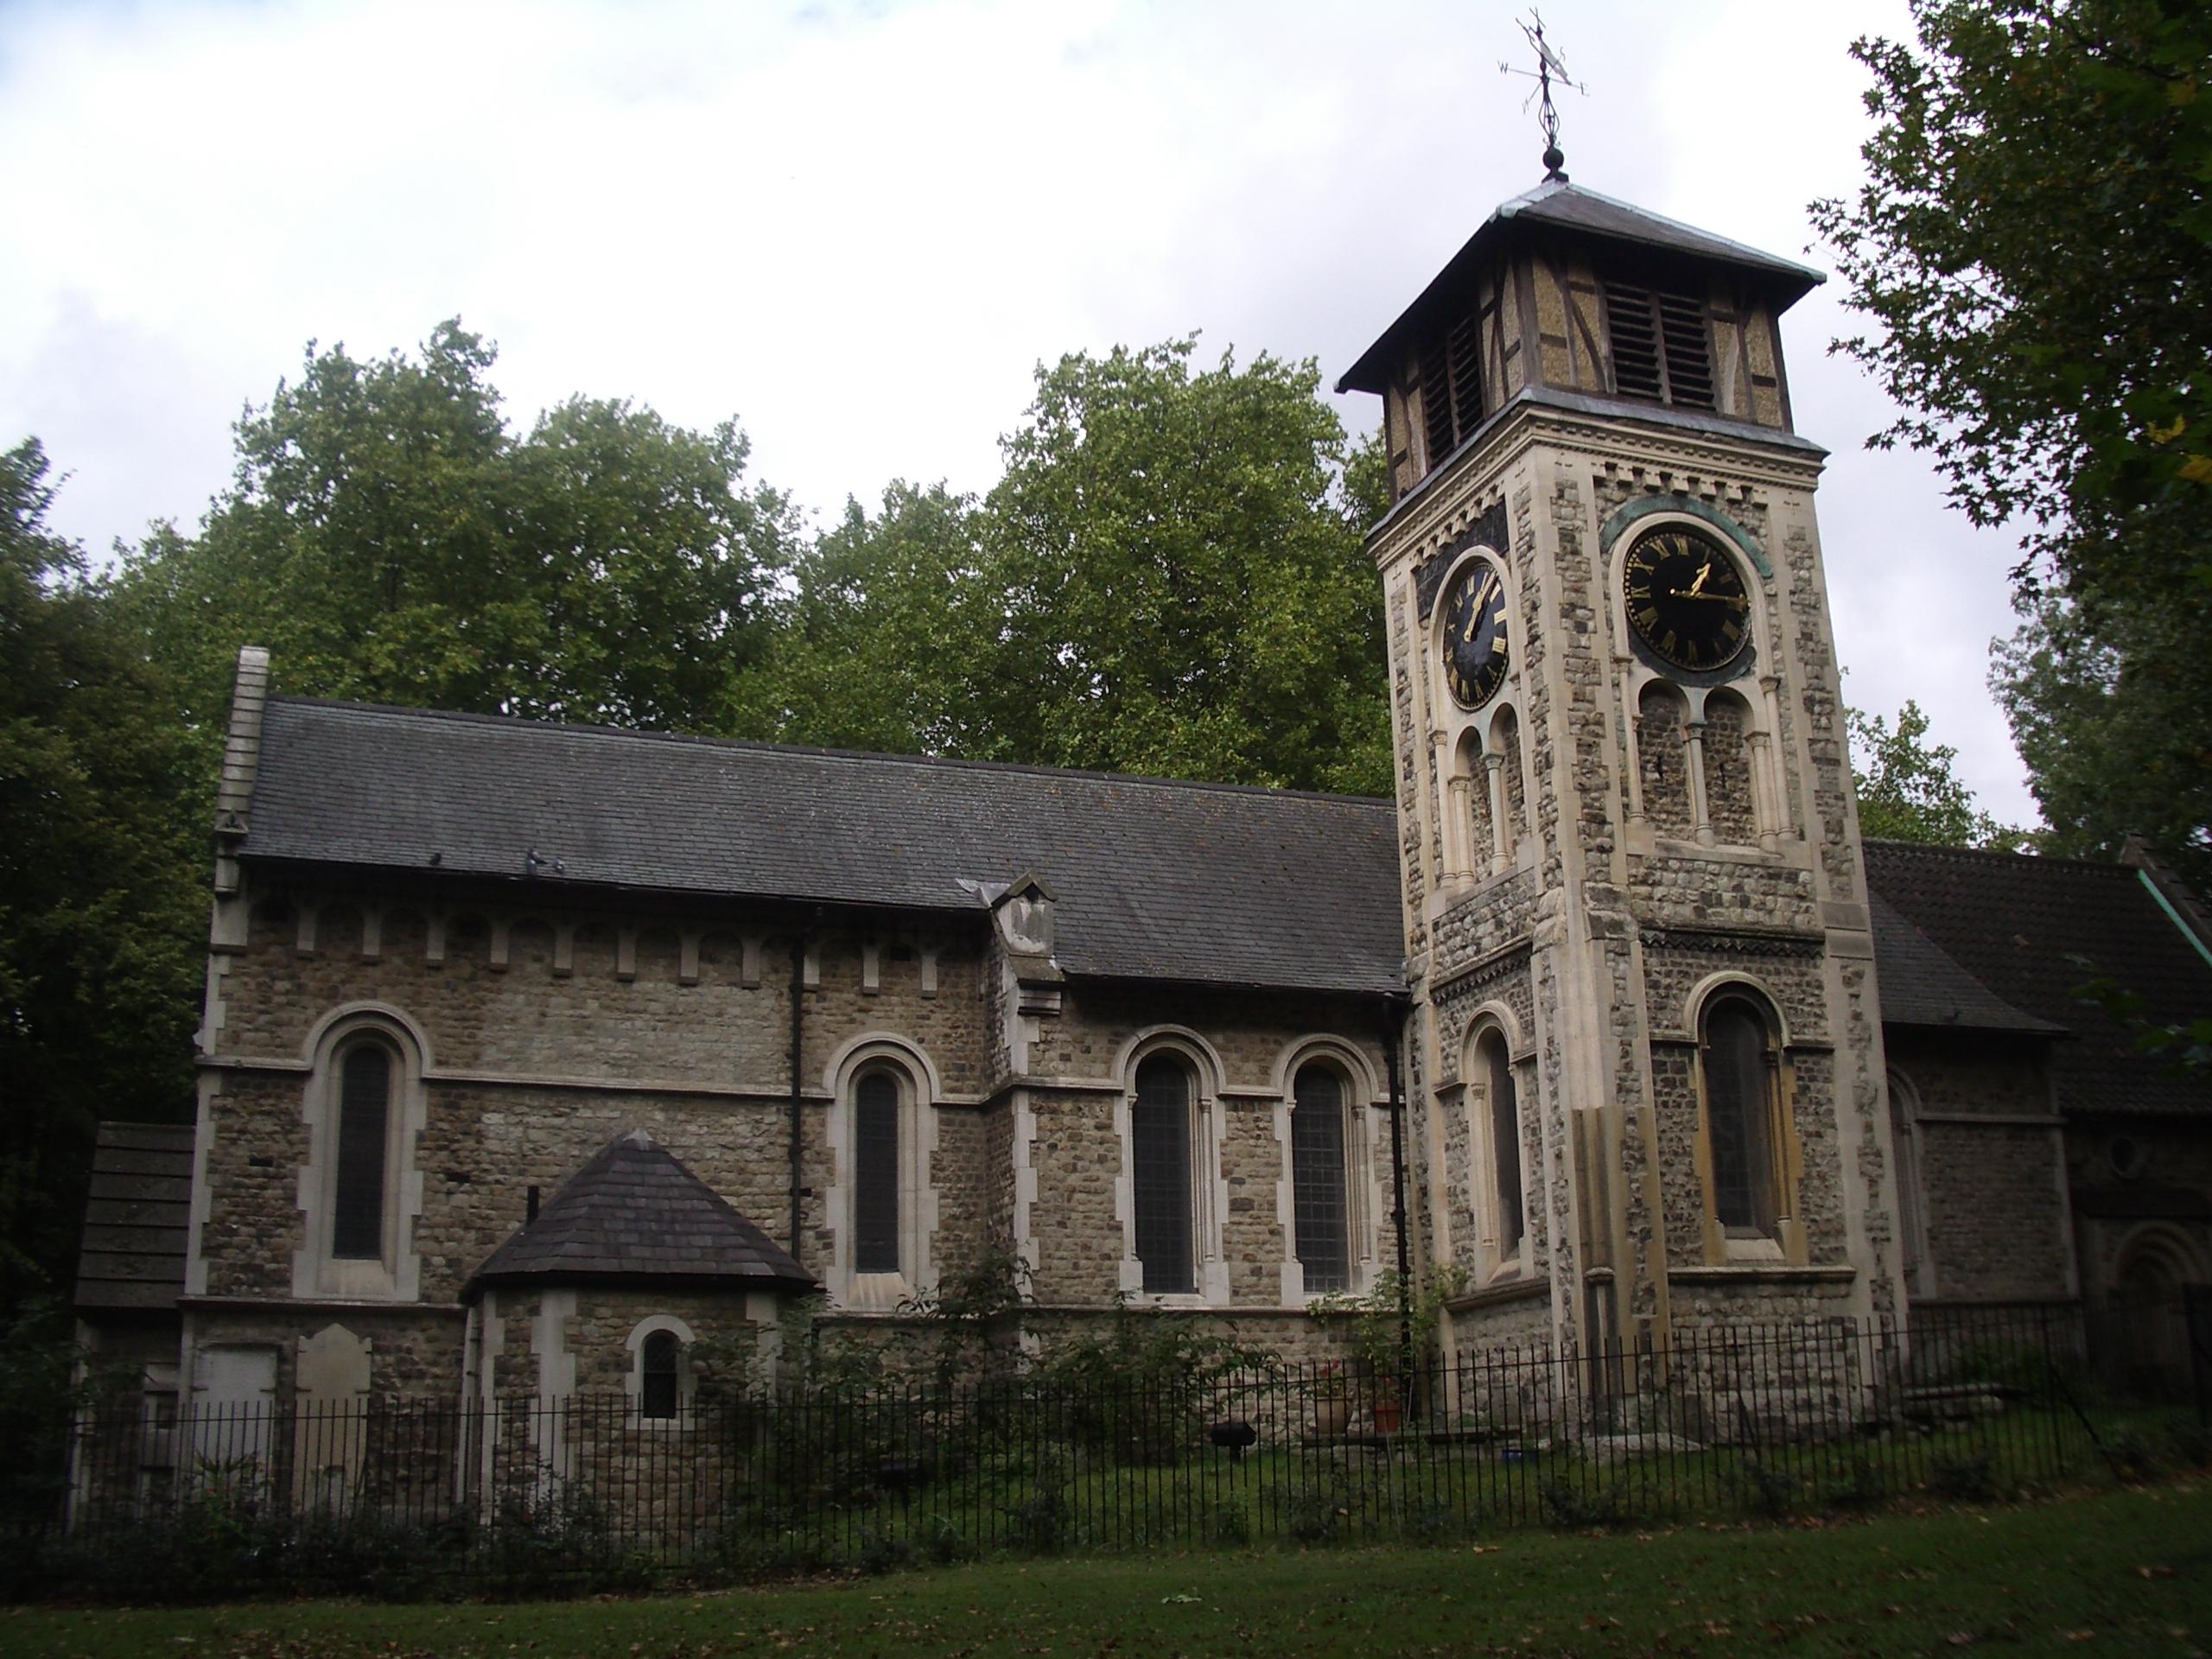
1555 158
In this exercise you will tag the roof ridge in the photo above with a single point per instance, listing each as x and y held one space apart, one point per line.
2041 861
1550 187
754 747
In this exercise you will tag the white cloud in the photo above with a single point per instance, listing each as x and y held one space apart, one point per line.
858 226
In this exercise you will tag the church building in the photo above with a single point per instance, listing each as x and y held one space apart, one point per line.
535 1056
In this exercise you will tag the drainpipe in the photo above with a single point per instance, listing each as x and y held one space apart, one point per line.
798 1026
1394 1036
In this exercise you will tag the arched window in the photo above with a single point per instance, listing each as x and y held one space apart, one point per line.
1160 1167
1742 1090
875 1172
1317 1177
1509 1212
357 1222
659 1376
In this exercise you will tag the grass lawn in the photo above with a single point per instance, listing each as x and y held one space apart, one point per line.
2118 1572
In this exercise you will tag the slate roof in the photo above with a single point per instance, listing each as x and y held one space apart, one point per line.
1922 985
635 1214
1559 204
131 1258
1203 883
2033 931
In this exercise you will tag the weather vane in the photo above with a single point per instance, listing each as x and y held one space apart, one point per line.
1548 66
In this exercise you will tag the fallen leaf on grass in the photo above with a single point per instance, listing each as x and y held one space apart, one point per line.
2156 1571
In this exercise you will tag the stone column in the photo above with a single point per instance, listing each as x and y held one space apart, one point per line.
1459 851
1700 811
1766 791
1501 822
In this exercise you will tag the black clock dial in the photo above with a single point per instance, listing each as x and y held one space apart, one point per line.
1686 601
1474 634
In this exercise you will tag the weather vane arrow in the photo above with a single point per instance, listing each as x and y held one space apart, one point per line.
1549 66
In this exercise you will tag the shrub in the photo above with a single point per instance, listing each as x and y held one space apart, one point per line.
2191 1442
1232 1521
1041 1523
1316 1515
1770 1492
1969 1477
1860 1489
1576 1509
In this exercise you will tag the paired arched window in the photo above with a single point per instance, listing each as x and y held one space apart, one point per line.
1741 1064
876 1163
357 1219
1161 1173
1320 1208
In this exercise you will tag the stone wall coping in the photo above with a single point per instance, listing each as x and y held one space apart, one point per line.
2008 1120
1747 1272
1510 1290
314 1305
1184 1308
778 1090
1499 958
1676 1038
1794 855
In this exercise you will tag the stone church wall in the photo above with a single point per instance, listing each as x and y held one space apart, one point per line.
1989 1164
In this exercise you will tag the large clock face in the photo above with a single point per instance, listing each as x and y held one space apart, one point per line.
1686 602
1474 633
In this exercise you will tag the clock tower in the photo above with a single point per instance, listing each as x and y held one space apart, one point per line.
1646 1044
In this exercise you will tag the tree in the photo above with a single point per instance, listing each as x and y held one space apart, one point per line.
2034 243
1186 592
889 641
1168 579
102 927
392 540
2033 239
1908 789
2111 719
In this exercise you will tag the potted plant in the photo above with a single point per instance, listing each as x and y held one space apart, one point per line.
1391 1327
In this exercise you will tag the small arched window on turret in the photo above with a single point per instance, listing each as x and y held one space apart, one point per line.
660 1390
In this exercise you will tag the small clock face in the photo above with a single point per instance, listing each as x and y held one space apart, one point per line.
1474 633
1686 602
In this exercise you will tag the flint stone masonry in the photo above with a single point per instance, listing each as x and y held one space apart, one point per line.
565 935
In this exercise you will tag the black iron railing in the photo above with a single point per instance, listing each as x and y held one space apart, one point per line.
1723 1420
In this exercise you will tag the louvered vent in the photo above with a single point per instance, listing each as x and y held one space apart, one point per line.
1635 341
1662 347
1466 380
1451 388
1689 352
1436 400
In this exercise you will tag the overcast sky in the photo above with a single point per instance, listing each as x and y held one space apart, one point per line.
858 227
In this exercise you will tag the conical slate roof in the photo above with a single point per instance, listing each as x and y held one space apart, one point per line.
634 1213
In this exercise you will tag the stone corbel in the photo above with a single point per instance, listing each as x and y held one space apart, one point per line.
1023 914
